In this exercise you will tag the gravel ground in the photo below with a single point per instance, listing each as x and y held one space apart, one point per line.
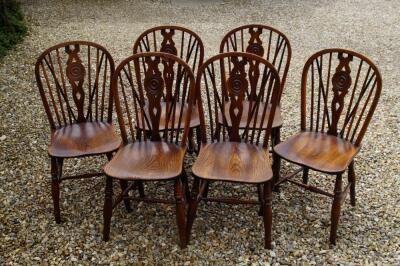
368 234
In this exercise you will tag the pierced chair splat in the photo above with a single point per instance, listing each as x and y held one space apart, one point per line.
186 45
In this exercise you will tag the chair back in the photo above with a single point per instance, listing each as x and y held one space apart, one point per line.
174 40
74 83
149 84
339 93
225 80
264 41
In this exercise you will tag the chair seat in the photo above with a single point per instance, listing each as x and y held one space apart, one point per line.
83 139
146 160
246 112
233 161
194 117
318 151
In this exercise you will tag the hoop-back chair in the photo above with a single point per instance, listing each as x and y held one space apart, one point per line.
180 42
139 84
339 93
272 45
230 153
74 83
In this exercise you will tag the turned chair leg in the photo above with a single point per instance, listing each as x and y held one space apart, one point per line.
180 211
336 206
352 181
191 142
267 213
107 211
305 175
206 189
276 159
56 174
260 199
124 186
198 139
140 188
193 203
186 185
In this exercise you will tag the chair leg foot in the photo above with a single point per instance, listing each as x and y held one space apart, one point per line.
267 210
124 186
107 211
191 214
180 212
335 212
352 180
305 175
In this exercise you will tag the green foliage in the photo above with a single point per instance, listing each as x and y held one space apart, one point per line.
12 26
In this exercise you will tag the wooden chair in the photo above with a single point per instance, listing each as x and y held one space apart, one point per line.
74 83
230 153
139 84
180 42
272 45
339 92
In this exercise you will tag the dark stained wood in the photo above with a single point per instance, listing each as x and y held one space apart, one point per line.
318 151
325 79
194 117
83 139
147 160
272 45
352 180
235 151
74 83
223 80
233 161
264 41
175 40
181 42
143 91
339 93
247 111
73 79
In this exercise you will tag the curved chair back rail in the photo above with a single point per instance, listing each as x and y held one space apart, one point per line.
174 40
264 41
224 81
74 80
339 93
150 86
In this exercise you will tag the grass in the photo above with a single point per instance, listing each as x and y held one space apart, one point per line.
12 25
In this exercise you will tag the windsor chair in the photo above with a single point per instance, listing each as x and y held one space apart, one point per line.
229 152
180 42
272 45
339 93
73 79
138 84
